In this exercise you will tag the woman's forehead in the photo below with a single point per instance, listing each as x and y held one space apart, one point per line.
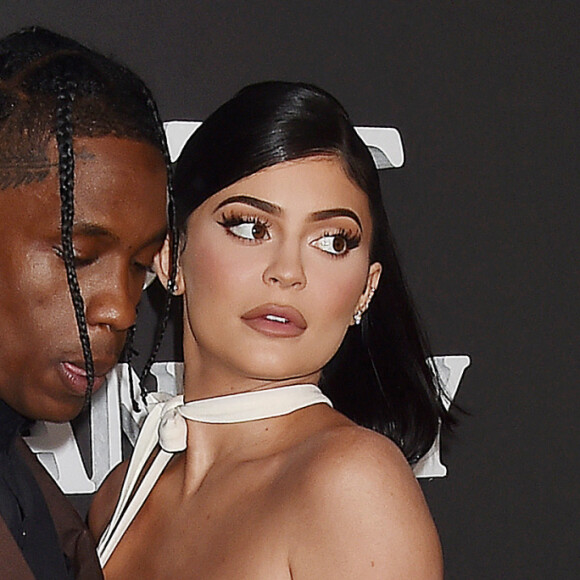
312 184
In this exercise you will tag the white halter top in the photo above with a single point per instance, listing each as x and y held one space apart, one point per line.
166 426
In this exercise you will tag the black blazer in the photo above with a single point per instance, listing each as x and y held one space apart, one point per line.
75 539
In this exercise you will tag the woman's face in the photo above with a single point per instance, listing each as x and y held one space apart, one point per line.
273 269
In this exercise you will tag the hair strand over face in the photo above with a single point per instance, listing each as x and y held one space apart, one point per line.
53 88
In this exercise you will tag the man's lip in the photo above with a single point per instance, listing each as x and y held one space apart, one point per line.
101 367
288 313
76 376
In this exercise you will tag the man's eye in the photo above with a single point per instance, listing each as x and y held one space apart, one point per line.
79 261
83 262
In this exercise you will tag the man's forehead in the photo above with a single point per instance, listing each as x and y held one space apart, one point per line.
112 177
16 171
34 164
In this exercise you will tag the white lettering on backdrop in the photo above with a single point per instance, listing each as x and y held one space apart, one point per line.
112 415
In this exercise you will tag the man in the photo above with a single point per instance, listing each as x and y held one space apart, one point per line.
83 179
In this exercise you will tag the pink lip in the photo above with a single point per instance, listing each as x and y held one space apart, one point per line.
276 321
76 378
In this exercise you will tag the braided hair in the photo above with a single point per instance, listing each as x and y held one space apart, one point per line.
54 89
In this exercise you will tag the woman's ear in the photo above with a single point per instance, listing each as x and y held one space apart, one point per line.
162 267
364 301
374 277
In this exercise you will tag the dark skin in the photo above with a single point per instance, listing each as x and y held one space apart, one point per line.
120 224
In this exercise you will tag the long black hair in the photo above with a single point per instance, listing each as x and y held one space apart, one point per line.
380 377
53 88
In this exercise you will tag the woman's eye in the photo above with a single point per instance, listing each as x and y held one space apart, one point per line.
250 230
335 244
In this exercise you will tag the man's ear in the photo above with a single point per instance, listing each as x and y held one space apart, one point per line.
162 267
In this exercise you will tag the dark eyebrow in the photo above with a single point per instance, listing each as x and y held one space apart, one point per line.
277 210
94 230
338 212
253 201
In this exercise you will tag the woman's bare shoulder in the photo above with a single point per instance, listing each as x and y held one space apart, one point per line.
105 500
345 451
361 512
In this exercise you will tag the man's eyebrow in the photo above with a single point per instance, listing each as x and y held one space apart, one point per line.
90 229
94 230
338 212
253 201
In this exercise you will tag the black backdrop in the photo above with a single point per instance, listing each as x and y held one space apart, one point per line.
485 211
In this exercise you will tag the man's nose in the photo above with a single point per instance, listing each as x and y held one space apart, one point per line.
113 302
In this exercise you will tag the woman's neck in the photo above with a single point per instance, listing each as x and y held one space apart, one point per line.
212 444
204 382
225 446
207 375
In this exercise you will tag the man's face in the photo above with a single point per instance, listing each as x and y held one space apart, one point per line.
119 226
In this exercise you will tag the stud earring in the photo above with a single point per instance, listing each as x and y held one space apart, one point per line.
172 287
357 316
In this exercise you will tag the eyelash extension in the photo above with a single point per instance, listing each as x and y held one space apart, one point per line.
234 219
352 240
230 220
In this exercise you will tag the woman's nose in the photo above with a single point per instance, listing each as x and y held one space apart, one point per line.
286 268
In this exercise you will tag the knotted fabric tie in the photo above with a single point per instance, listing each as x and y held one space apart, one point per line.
236 408
166 426
172 430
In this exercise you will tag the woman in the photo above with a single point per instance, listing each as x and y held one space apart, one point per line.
291 289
